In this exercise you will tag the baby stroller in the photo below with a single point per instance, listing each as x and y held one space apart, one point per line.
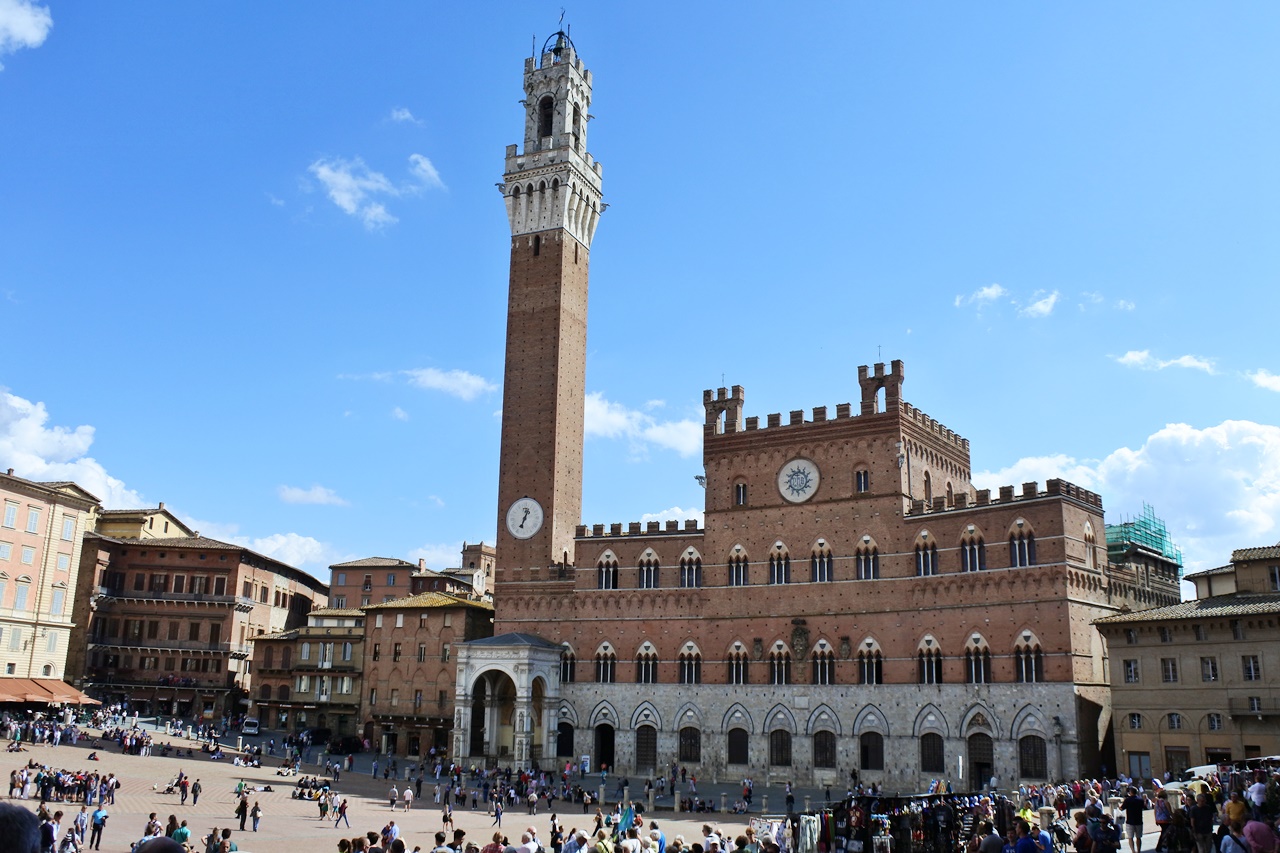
171 788
1061 838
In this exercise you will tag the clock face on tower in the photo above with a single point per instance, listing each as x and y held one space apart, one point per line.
524 518
798 480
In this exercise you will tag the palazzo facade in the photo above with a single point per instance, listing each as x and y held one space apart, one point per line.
851 602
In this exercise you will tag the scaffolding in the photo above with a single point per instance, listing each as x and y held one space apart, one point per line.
1146 532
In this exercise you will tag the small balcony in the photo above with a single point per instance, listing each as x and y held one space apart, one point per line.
1254 706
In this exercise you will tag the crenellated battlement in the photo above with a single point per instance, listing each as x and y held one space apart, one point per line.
939 431
638 528
730 403
1008 495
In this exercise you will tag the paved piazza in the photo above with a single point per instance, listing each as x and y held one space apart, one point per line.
288 824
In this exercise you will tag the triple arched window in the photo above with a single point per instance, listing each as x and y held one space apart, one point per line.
926 559
607 574
820 566
646 668
973 554
870 667
690 668
648 573
738 573
738 667
1028 663
568 667
824 667
977 664
929 666
606 667
780 666
1022 545
867 562
690 572
779 567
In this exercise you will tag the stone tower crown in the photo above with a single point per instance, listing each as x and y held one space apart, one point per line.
890 381
554 182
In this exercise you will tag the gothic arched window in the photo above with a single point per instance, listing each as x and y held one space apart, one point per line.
546 111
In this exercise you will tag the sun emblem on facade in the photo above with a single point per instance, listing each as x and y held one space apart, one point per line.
799 480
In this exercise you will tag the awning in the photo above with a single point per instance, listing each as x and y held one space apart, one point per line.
42 691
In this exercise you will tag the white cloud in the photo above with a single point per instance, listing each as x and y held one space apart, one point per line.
1216 488
982 296
40 452
1125 305
399 414
275 200
439 555
459 383
674 513
22 24
292 548
423 169
1144 360
316 495
605 419
402 114
351 185
1042 307
437 501
1265 379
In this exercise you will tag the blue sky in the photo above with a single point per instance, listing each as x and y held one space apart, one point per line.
253 264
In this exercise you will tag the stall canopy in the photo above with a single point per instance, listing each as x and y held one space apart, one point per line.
42 691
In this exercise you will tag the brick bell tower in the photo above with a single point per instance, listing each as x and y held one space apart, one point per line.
552 193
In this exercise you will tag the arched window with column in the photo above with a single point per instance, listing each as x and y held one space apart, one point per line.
779 565
648 571
607 573
929 661
738 662
867 560
820 563
926 551
568 666
690 571
690 664
973 551
824 664
870 663
646 665
977 661
780 664
739 573
1022 544
1028 662
606 665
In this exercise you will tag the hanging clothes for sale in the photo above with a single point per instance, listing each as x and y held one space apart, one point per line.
808 838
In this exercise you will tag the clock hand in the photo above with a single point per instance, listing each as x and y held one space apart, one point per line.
524 518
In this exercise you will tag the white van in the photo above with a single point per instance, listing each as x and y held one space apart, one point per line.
249 726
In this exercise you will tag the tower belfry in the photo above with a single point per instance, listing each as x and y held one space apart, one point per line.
552 194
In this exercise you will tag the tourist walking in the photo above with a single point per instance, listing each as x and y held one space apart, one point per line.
256 814
342 814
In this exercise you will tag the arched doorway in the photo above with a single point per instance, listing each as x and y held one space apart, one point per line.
604 745
981 759
646 750
493 716
564 740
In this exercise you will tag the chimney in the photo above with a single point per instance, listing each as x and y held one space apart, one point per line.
10 472
422 563
161 505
